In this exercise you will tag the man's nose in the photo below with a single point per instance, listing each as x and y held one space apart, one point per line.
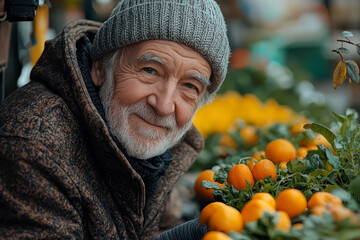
162 100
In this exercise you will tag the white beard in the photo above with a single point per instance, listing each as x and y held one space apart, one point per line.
139 141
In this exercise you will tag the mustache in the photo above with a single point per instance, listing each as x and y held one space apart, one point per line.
149 114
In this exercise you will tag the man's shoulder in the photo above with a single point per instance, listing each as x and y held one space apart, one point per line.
25 111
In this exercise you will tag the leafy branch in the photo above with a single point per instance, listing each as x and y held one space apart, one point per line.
346 69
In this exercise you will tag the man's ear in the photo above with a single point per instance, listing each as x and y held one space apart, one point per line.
97 73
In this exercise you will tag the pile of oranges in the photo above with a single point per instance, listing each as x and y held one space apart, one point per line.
259 167
222 219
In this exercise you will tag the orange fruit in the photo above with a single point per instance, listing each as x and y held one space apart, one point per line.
227 140
319 140
202 192
267 197
238 175
323 199
297 128
256 156
311 147
284 222
264 168
298 226
340 212
221 217
292 201
280 150
208 210
301 152
216 235
248 134
254 209
259 155
319 210
251 163
282 165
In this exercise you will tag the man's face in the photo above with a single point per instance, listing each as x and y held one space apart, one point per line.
157 86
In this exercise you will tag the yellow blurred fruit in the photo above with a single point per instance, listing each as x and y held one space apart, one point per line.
284 222
254 209
292 201
239 175
322 199
259 155
221 217
340 213
201 191
319 210
298 226
249 135
264 168
297 128
216 235
267 197
280 150
319 140
301 152
282 165
227 140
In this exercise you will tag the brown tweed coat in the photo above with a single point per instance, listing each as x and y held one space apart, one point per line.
61 174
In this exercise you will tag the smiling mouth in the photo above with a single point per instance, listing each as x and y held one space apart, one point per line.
151 125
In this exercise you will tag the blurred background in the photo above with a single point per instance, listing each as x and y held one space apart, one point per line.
281 49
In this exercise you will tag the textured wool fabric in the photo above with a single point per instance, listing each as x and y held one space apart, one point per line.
190 230
196 23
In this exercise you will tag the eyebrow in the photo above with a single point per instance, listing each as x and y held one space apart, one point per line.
202 78
149 57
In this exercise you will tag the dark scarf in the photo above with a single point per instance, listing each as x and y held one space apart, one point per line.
151 169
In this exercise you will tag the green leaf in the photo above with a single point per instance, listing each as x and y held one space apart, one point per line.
339 117
319 173
313 163
343 50
297 166
352 71
348 234
334 161
331 188
326 132
342 194
352 114
267 187
355 186
358 49
353 136
210 185
347 34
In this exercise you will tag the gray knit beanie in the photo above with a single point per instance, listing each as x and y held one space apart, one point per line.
196 23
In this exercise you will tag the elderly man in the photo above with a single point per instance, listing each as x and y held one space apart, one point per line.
92 147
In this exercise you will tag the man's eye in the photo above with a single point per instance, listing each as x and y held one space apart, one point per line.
149 70
191 86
